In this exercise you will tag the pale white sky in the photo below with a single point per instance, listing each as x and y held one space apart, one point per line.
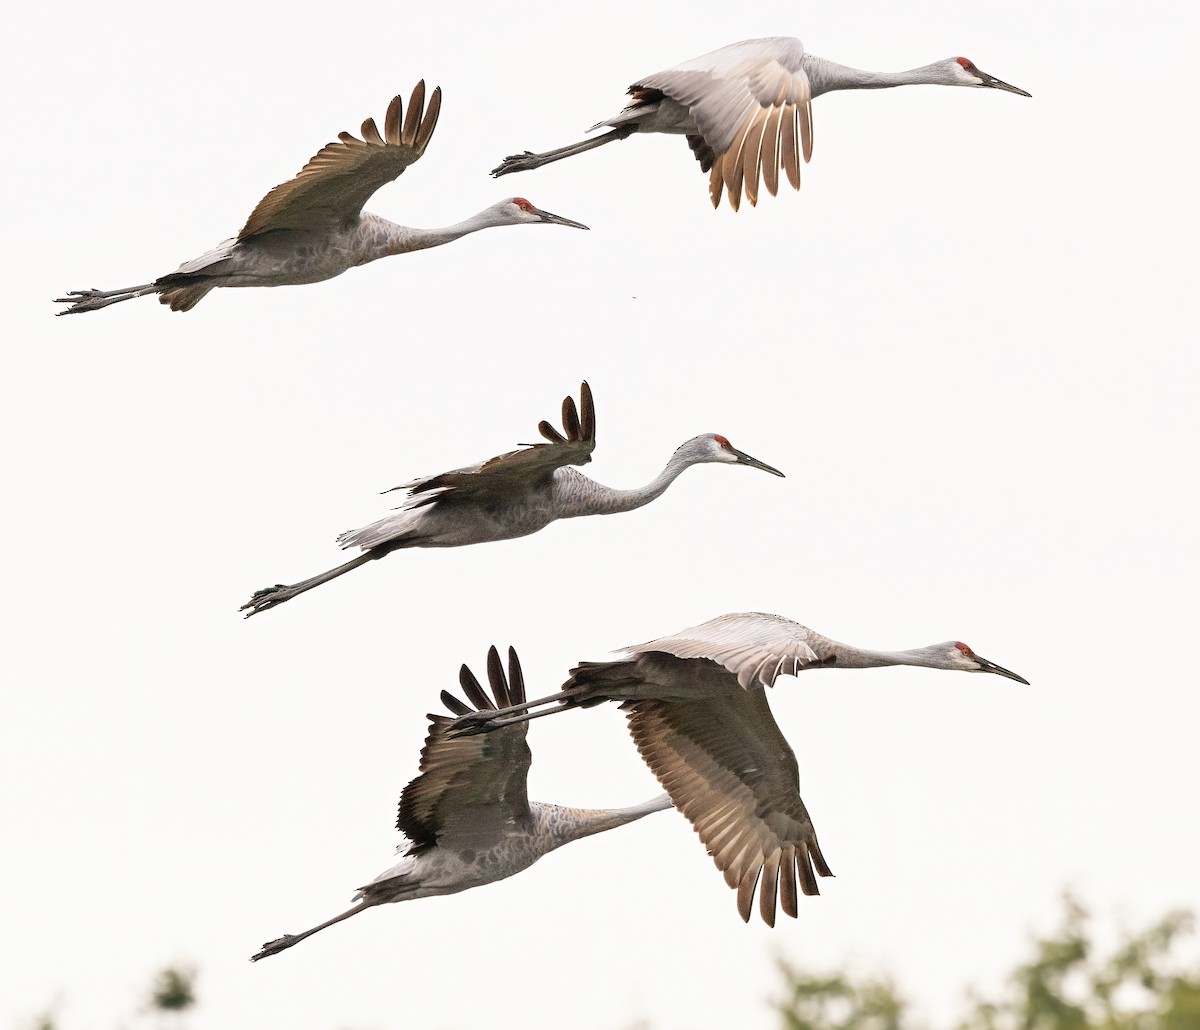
964 341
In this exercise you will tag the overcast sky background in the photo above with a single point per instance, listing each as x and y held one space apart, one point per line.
964 341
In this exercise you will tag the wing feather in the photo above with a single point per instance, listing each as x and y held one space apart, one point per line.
729 770
471 789
526 465
744 100
331 189
756 647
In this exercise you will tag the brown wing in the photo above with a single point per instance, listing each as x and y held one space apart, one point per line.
332 188
573 446
728 769
751 103
471 790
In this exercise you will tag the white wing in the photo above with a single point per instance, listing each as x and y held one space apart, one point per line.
751 104
755 647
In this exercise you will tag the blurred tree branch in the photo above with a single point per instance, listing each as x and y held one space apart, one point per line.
1142 985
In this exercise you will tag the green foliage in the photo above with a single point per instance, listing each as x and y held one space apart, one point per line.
839 1003
173 990
1141 985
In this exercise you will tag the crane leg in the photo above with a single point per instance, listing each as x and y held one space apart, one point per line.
287 940
491 719
94 300
270 597
524 162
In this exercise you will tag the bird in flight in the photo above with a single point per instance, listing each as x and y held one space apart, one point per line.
746 109
467 819
697 710
313 227
511 495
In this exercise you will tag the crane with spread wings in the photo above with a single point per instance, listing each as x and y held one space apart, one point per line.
467 819
313 226
697 710
508 496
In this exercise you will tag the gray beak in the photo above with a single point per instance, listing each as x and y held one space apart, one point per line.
553 219
994 83
986 666
745 459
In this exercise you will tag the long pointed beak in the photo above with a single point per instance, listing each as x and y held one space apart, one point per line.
553 219
986 666
745 459
995 83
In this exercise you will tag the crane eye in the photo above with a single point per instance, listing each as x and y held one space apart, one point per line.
722 441
964 649
522 203
967 65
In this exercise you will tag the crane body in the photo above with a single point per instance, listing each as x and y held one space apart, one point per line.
312 228
697 711
509 496
466 818
746 109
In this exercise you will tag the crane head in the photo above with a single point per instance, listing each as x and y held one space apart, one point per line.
963 72
518 211
961 657
714 447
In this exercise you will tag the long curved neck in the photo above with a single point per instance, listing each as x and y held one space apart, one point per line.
827 76
563 824
605 500
843 656
382 238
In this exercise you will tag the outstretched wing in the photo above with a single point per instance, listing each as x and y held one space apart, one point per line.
471 790
751 103
332 188
728 768
528 465
756 647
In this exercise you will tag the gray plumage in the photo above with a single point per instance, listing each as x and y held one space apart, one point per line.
698 713
467 818
511 495
313 226
746 109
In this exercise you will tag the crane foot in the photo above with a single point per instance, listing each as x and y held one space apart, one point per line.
516 163
266 598
275 947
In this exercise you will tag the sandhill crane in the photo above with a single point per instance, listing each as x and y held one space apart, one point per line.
466 818
698 712
313 227
510 495
747 107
